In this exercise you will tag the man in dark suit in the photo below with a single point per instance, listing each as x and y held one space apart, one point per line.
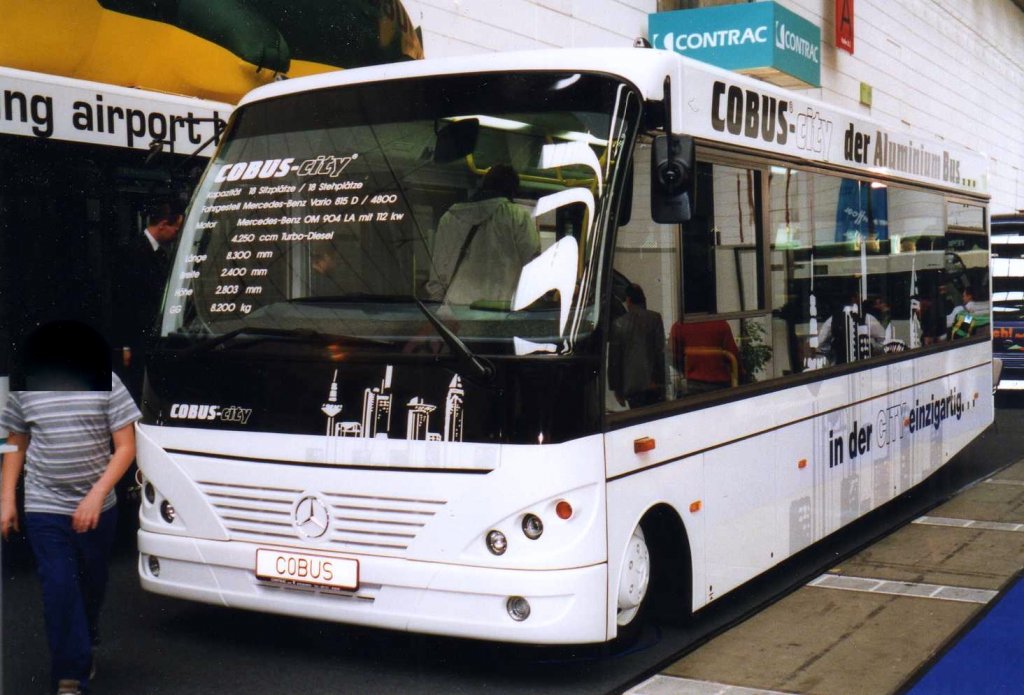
144 268
636 353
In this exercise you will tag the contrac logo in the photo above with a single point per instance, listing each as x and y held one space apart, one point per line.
790 41
711 39
194 411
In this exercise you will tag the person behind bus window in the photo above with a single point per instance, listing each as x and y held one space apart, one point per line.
482 245
879 308
705 352
971 317
144 267
323 265
636 353
834 339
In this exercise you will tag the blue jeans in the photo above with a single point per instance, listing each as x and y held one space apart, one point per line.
73 573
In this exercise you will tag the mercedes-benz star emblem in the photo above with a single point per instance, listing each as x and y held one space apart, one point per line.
311 517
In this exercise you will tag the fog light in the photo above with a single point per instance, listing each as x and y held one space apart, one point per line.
167 512
497 543
154 565
533 527
518 608
150 492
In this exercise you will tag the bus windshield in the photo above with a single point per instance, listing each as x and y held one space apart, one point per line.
1007 271
346 213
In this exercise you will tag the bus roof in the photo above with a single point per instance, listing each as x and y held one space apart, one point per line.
46 106
720 106
1008 223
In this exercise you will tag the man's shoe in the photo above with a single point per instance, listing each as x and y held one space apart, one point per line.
69 687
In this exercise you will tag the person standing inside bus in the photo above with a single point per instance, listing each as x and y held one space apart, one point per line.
482 245
636 353
143 274
63 437
705 352
839 329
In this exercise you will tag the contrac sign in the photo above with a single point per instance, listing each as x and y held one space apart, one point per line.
763 38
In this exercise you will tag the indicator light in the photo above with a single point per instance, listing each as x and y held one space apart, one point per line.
643 444
563 509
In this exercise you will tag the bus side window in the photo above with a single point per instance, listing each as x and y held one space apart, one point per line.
860 269
645 300
722 338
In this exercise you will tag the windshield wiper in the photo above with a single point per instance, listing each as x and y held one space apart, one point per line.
480 366
306 334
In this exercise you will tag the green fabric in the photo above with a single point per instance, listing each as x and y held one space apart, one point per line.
967 324
240 29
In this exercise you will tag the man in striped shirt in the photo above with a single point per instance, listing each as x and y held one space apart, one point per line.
63 440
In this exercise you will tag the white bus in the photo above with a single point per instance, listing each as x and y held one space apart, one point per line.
332 431
79 162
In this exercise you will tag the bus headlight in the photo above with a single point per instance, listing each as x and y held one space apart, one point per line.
167 512
496 542
533 527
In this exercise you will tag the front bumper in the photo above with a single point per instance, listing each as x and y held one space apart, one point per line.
567 606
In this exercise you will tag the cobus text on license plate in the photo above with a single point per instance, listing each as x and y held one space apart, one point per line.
304 568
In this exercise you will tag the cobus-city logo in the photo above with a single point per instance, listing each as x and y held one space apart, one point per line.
196 411
323 165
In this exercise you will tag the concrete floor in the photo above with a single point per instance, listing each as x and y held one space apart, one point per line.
931 578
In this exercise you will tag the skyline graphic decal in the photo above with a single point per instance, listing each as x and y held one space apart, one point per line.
378 401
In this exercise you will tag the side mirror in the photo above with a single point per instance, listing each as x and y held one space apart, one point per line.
672 160
455 140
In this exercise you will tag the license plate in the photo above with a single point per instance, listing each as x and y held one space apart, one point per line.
304 568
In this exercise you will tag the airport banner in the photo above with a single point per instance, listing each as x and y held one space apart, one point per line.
45 107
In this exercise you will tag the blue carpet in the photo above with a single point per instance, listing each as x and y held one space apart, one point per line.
988 659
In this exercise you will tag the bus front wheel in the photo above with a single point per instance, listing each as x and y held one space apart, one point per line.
634 580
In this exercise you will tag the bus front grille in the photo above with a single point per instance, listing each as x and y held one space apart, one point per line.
357 523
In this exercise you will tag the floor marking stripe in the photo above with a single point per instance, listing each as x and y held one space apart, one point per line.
893 588
1001 481
671 685
968 523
